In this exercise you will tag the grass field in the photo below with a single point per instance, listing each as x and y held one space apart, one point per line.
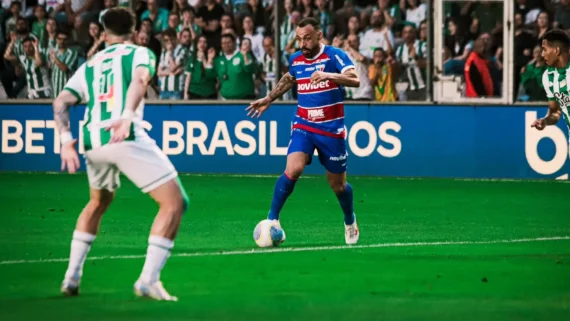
429 250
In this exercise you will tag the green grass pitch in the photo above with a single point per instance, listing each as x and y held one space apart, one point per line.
399 271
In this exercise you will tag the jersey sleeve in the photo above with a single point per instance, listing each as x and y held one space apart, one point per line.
547 86
144 57
342 61
75 84
189 64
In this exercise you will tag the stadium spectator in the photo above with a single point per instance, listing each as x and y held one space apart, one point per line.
562 15
269 74
15 10
478 80
188 16
459 46
108 5
208 18
35 67
287 27
173 21
542 26
255 38
77 8
411 57
171 67
200 81
531 78
524 43
185 40
38 27
354 28
52 6
364 91
235 70
62 61
415 12
325 18
382 76
97 39
158 16
179 6
379 35
154 43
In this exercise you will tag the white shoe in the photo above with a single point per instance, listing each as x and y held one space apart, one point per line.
351 233
155 291
70 287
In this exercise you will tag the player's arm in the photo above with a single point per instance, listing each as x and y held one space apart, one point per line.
61 104
349 78
284 85
552 116
136 91
256 108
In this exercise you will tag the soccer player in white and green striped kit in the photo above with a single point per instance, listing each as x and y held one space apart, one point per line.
113 84
556 78
63 61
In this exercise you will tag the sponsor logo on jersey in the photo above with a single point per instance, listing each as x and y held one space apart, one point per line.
316 113
312 86
312 62
562 98
310 69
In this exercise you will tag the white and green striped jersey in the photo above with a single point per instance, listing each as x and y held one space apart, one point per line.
58 77
268 64
19 45
102 82
413 71
555 82
173 83
37 78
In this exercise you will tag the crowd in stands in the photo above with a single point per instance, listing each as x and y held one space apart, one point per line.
225 49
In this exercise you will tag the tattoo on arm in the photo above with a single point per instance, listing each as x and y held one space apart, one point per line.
61 110
287 82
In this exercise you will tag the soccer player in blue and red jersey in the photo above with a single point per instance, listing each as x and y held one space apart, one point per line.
320 73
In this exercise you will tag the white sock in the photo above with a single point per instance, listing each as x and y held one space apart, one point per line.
157 253
80 246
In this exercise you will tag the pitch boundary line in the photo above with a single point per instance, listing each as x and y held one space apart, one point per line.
559 180
301 249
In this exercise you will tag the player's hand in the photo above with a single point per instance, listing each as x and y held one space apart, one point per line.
121 130
257 107
69 157
539 124
318 77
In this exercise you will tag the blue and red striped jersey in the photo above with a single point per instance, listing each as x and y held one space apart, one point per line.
320 106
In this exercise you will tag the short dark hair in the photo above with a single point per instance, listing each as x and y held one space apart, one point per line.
170 33
229 35
119 21
558 38
310 21
27 39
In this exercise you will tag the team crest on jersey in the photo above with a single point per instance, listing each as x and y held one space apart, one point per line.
236 61
320 67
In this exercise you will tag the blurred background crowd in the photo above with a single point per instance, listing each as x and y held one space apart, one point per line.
226 49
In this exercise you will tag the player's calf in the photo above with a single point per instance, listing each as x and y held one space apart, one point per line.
173 202
285 184
344 194
83 236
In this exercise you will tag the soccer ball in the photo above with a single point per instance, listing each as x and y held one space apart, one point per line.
268 233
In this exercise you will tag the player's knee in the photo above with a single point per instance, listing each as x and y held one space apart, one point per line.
99 202
338 187
294 170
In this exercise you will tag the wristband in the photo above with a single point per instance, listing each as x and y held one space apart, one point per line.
128 114
65 137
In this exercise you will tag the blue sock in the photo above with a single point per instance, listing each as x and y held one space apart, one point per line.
283 188
345 200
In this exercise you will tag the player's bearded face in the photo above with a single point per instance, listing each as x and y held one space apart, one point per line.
309 41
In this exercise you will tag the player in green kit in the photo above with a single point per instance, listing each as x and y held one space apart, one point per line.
556 79
113 84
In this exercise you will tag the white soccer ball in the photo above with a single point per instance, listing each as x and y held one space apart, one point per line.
268 233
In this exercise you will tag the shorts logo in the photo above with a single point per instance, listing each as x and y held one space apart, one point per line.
316 113
339 158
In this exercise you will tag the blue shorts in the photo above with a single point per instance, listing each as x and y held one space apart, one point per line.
332 151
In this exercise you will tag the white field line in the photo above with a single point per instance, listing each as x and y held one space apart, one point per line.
301 249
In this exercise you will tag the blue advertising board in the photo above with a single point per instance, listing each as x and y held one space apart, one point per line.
387 140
